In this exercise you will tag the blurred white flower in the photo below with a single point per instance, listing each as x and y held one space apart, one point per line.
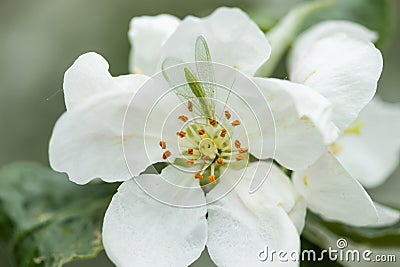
338 59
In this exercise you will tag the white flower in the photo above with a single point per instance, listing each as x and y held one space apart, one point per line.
369 148
338 60
105 135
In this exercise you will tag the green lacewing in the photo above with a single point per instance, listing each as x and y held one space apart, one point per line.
199 88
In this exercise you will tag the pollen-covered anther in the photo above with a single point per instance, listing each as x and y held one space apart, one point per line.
243 150
237 144
239 157
235 123
198 176
219 161
189 161
190 151
212 122
181 134
211 178
190 106
227 114
223 133
183 118
201 131
163 145
166 154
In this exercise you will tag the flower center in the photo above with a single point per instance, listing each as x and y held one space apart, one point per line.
206 147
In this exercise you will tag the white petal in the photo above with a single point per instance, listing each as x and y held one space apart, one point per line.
233 38
242 224
332 192
386 215
87 141
140 231
302 122
326 29
343 69
89 77
370 149
147 34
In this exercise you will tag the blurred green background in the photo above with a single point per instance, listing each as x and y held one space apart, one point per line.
40 39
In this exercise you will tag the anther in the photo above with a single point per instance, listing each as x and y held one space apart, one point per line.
223 133
183 118
237 144
190 106
181 134
198 176
240 157
200 131
163 145
236 123
166 154
220 161
243 150
212 179
190 151
189 161
213 122
227 114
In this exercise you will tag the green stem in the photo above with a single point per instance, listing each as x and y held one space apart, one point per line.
282 35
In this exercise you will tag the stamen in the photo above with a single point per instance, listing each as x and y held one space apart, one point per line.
181 134
237 144
198 176
212 179
190 151
227 114
166 154
200 131
236 123
243 150
213 122
239 158
190 106
190 162
206 158
183 118
163 145
220 161
223 132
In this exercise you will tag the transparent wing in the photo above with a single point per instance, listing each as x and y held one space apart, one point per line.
185 84
205 70
196 87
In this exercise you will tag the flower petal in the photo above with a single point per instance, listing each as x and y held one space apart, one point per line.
302 121
343 69
141 231
233 38
327 29
386 215
332 192
369 148
147 34
87 142
88 77
241 225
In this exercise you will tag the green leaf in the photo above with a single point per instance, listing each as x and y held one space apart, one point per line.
45 219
